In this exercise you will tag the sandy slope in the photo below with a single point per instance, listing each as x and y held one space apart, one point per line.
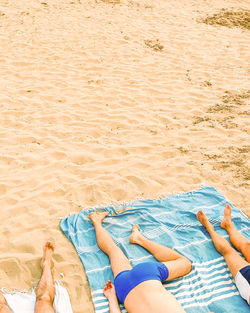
103 102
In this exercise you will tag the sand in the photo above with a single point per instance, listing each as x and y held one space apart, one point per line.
109 101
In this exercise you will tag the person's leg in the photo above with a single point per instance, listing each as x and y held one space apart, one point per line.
45 291
118 260
177 264
237 239
3 305
234 261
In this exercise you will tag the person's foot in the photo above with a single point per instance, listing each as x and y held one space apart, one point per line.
97 217
135 235
201 216
226 222
48 251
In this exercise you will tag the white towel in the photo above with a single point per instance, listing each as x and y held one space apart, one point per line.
23 302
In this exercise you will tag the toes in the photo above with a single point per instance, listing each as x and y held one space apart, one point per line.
199 215
136 227
227 210
49 245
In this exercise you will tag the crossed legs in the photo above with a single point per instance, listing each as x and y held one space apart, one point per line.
234 261
177 264
45 290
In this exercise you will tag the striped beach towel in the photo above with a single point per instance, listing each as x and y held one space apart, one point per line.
170 221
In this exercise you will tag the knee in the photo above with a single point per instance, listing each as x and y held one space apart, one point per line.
225 249
43 304
246 246
246 250
114 251
188 265
45 297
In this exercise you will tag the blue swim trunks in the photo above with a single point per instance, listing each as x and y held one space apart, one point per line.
242 281
245 271
125 281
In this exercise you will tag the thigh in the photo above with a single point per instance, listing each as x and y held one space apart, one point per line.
43 307
119 262
235 262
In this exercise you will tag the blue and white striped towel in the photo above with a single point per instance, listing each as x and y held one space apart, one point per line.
172 222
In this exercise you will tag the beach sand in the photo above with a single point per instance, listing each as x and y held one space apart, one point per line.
108 101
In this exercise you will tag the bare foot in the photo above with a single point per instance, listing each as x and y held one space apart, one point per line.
98 217
201 216
226 222
48 250
135 235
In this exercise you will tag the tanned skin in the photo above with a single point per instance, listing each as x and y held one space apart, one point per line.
149 296
234 260
45 291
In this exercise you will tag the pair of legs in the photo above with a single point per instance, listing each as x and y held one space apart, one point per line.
177 264
234 261
45 291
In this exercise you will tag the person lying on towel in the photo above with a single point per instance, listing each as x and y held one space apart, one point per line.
239 267
140 288
45 291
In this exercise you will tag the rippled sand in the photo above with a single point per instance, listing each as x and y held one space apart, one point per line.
108 101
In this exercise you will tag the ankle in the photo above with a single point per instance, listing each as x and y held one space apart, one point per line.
143 241
210 229
46 264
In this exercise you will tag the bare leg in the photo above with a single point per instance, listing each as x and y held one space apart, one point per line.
45 290
3 305
234 261
237 239
177 264
118 260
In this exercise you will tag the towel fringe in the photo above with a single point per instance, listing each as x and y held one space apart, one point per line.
16 290
28 290
127 203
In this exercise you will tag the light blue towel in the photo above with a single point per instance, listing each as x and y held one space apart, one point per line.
172 222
